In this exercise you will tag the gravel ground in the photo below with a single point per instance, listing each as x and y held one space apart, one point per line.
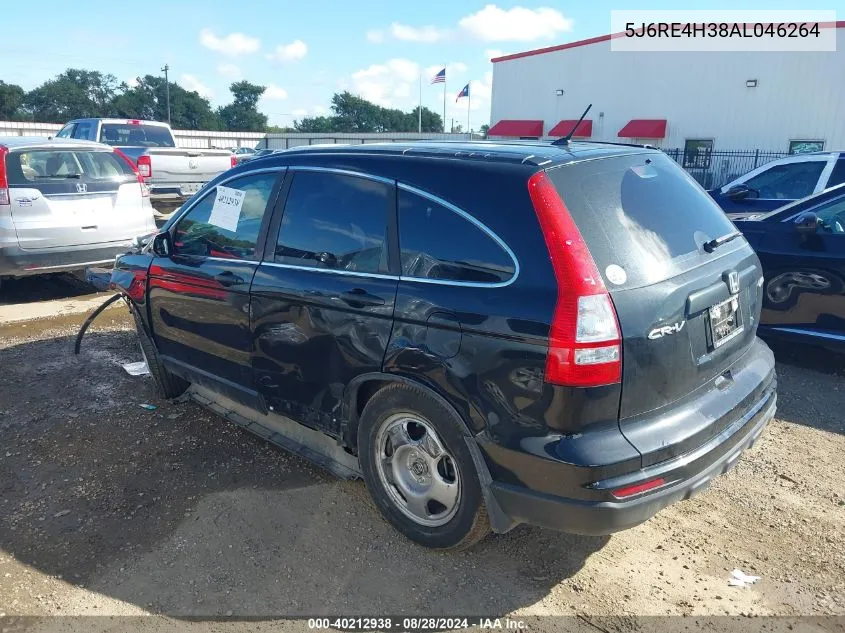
111 509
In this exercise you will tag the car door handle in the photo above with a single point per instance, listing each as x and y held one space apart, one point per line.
360 298
228 278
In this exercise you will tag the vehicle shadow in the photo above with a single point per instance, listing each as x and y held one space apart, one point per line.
811 389
178 512
44 288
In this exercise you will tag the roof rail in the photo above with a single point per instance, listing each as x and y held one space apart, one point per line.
646 145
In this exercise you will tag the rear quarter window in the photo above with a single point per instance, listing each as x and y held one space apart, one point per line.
643 213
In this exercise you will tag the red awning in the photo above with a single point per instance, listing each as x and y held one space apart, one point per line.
585 128
644 128
516 127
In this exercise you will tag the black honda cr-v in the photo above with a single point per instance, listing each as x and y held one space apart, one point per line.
494 333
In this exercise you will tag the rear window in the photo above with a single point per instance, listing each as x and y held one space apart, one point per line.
642 217
50 166
129 135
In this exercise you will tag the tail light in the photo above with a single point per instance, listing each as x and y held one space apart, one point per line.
5 199
234 161
584 340
145 166
145 191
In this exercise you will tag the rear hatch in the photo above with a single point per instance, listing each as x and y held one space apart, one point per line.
687 314
73 197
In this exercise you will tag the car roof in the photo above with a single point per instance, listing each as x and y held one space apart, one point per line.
22 142
535 153
120 121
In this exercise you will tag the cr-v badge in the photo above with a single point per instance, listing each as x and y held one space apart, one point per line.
665 330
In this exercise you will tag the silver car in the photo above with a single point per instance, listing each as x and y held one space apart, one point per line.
66 205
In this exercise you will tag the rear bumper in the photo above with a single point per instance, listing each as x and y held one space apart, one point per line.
16 262
685 475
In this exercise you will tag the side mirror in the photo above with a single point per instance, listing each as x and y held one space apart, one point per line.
806 223
163 245
738 192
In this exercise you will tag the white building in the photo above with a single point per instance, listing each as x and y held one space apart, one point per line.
704 101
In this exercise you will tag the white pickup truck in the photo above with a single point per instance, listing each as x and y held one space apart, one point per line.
172 173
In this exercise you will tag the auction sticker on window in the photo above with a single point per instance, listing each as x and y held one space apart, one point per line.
227 208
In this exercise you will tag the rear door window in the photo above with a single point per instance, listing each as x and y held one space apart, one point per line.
135 135
641 213
200 231
335 221
788 181
837 176
437 242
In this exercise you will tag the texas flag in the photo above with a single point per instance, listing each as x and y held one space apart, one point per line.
463 93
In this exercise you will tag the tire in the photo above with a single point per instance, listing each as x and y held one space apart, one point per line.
424 442
168 385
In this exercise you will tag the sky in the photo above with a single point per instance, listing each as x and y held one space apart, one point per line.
305 51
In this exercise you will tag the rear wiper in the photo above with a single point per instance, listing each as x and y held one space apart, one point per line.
712 245
65 176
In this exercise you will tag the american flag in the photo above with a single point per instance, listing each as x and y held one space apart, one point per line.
439 78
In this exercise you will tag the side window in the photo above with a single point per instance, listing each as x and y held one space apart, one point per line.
831 217
66 131
335 221
789 181
437 243
837 176
200 231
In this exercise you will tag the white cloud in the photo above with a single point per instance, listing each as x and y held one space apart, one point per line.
300 112
320 110
493 24
289 52
275 93
492 53
452 69
375 36
132 82
405 33
189 82
386 83
229 71
233 44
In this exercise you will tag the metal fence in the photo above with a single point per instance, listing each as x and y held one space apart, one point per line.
715 168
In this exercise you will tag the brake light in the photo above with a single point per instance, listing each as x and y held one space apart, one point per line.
584 340
133 122
5 199
630 491
145 166
145 191
234 161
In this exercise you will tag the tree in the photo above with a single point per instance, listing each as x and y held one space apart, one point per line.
11 99
73 94
355 114
431 121
484 130
148 100
242 114
317 125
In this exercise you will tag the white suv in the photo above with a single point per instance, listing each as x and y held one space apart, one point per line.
67 204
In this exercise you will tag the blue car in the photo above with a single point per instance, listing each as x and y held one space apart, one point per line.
780 182
802 249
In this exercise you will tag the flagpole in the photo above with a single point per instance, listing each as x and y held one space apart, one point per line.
469 100
444 99
419 111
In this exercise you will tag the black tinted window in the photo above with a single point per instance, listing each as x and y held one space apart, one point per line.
642 213
138 135
335 221
837 176
787 182
200 231
438 243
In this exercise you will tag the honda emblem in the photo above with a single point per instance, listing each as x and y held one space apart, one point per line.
81 187
733 282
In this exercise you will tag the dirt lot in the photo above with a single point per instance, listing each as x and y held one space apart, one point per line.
108 508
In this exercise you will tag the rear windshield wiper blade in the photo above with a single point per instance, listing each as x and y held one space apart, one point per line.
64 176
712 245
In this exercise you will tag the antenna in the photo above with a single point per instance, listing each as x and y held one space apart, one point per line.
565 139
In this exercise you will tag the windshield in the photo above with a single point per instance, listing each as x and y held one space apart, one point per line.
640 213
131 135
43 166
